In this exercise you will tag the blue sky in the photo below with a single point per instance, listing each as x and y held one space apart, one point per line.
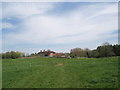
30 27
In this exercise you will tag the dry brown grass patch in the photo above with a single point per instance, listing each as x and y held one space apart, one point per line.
59 64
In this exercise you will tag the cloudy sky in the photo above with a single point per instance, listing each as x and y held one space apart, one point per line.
30 27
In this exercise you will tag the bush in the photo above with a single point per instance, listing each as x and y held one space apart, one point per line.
12 55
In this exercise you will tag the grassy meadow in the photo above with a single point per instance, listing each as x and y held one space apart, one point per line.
60 73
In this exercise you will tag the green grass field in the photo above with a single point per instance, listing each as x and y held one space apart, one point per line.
60 73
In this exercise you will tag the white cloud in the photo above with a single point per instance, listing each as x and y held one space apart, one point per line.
84 25
59 0
6 25
23 10
0 10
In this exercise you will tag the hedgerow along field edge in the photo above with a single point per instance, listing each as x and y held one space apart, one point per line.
60 73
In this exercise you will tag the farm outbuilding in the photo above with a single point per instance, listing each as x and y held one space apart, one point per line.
52 54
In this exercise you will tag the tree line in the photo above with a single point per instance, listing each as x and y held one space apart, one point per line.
105 50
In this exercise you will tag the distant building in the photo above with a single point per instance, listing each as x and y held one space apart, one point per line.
52 54
61 55
49 53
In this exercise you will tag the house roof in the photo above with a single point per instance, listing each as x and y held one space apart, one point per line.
52 54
